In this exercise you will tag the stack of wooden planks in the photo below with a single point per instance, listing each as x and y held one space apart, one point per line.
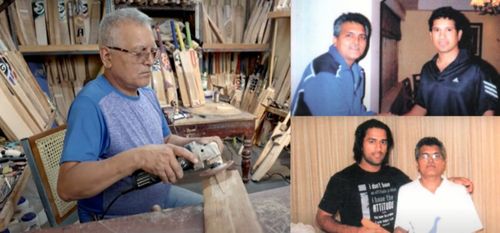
227 21
24 110
66 76
56 22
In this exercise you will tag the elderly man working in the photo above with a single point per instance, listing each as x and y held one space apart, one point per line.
116 127
432 204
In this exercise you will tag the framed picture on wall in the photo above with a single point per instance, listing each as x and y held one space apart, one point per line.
476 38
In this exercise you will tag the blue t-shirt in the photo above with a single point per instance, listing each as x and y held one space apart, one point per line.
103 122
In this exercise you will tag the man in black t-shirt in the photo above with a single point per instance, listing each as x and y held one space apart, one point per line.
367 189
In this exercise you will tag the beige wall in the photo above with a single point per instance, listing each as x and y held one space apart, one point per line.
416 48
322 146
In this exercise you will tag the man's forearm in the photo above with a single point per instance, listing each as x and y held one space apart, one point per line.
78 180
330 225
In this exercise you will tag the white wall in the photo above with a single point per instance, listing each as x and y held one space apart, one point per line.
312 33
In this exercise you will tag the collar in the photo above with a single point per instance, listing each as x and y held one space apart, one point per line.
336 55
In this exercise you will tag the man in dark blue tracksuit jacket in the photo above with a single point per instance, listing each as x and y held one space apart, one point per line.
333 83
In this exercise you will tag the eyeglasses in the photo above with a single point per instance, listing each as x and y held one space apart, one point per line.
141 56
427 157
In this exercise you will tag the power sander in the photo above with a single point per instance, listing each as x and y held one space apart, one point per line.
209 163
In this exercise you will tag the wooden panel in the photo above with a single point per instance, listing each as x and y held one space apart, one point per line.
59 49
322 146
227 207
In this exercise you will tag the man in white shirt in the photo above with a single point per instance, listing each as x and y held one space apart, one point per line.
431 203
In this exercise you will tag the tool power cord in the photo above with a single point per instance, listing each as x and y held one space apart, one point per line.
114 200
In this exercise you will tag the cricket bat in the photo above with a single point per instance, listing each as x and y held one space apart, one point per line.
188 70
195 66
62 22
40 26
158 77
186 102
82 22
171 86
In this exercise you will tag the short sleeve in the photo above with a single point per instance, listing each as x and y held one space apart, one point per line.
334 195
86 134
402 211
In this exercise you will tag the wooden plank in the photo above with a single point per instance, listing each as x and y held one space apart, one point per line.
59 49
4 29
279 14
262 104
218 34
239 22
95 18
205 28
14 118
29 84
235 47
252 21
40 25
193 55
71 5
6 43
53 22
284 92
13 80
226 205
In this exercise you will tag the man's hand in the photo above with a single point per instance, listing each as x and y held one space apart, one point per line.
371 230
216 139
370 227
161 160
463 181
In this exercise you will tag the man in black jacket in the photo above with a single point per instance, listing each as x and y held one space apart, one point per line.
453 82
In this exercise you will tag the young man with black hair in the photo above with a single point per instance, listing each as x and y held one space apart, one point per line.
453 82
367 189
432 203
333 83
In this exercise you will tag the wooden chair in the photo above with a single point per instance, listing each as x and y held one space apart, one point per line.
43 152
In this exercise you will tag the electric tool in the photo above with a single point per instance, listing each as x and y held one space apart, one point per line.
209 162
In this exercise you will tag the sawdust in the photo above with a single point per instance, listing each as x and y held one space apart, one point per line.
176 215
273 214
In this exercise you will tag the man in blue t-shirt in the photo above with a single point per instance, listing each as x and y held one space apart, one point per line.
333 83
116 127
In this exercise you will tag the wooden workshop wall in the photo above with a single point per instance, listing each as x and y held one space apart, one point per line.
322 146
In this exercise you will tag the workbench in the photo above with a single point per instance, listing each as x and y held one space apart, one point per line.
271 206
219 119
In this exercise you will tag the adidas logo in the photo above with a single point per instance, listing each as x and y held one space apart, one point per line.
455 80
